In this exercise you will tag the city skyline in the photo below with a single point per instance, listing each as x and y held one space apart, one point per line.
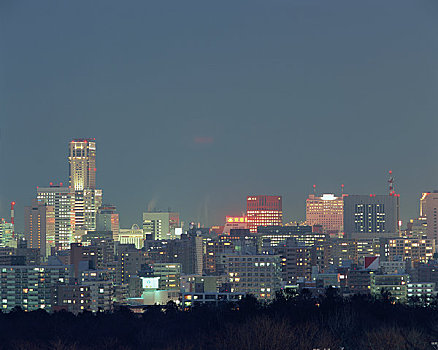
196 112
218 174
154 206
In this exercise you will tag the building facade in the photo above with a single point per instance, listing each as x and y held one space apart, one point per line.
31 287
107 219
264 211
327 211
39 227
160 225
82 161
428 210
371 216
259 275
62 199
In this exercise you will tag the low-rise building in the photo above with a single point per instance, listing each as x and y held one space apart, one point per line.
395 284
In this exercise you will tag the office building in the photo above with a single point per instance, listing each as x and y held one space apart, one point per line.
413 250
7 234
129 261
73 298
295 261
39 227
87 202
327 211
428 210
421 290
133 235
31 287
82 161
259 275
107 219
168 274
371 216
161 225
195 299
235 222
62 199
263 211
417 228
395 284
82 176
302 234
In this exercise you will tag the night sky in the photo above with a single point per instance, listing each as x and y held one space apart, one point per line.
195 104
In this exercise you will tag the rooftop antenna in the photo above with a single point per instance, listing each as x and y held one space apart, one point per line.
342 190
314 190
391 184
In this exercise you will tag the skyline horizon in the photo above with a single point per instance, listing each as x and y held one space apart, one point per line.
166 208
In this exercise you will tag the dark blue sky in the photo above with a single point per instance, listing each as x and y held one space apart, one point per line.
195 104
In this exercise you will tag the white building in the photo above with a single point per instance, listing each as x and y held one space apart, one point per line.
161 225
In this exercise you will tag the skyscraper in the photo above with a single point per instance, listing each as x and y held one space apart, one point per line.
6 234
371 216
39 226
82 160
428 210
62 199
327 210
87 202
264 211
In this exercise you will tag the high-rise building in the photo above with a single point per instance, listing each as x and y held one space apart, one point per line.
371 216
82 159
161 225
428 210
7 234
295 261
62 199
327 211
39 227
107 219
264 211
87 202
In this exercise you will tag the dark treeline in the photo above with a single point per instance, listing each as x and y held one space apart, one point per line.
289 322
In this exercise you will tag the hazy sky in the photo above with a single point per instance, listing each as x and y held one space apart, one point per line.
195 104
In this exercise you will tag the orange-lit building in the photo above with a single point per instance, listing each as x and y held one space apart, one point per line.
263 211
235 222
428 210
327 211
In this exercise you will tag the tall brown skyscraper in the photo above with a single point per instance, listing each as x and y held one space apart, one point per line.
88 199
39 226
82 159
